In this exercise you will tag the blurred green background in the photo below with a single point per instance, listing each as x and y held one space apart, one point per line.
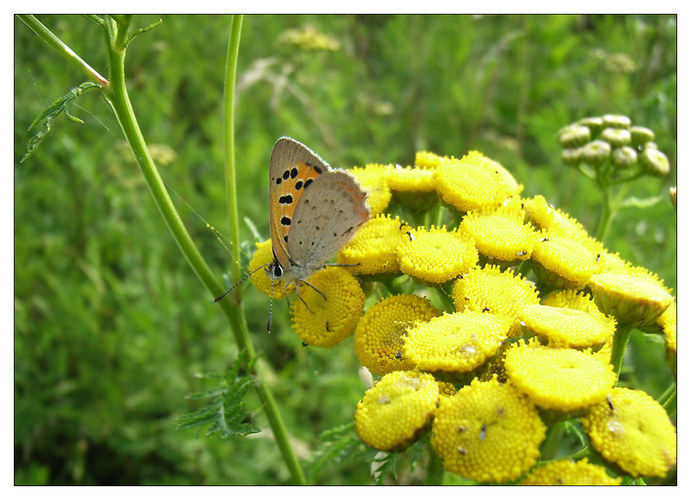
111 325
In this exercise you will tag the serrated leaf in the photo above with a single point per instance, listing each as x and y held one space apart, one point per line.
43 122
225 415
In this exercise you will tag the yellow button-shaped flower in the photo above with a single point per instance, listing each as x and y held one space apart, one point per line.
632 300
631 429
324 319
558 378
380 332
487 432
396 410
436 255
373 249
263 256
457 342
474 182
564 327
566 472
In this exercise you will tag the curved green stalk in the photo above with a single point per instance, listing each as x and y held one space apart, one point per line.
621 338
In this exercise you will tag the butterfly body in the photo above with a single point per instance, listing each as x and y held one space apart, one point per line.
313 210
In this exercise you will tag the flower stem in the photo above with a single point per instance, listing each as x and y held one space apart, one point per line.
435 470
621 338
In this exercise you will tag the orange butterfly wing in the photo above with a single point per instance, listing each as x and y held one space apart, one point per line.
293 167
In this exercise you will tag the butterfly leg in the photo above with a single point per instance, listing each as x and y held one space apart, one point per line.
313 288
297 292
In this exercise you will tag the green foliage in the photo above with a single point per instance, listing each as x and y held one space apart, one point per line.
225 414
41 125
110 324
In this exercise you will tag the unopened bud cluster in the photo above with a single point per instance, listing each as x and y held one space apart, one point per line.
611 139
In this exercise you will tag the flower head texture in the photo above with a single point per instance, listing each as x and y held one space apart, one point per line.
564 327
411 179
474 182
458 342
631 429
558 378
396 409
633 300
500 234
487 432
374 178
380 332
428 160
566 472
436 255
324 321
565 262
260 279
373 249
489 289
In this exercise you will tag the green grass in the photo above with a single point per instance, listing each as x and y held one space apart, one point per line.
111 325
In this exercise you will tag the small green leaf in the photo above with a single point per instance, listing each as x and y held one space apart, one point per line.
225 415
42 124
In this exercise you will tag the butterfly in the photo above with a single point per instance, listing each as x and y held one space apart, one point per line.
313 211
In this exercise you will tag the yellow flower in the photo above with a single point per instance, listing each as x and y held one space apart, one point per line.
565 472
565 262
396 410
492 290
436 255
668 322
551 219
323 321
374 178
572 299
457 342
380 332
500 234
564 327
631 429
633 300
411 179
487 432
373 249
558 378
263 257
425 159
474 182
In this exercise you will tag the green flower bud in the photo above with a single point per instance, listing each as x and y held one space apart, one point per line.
655 162
641 135
574 135
617 137
651 145
595 152
594 123
673 196
616 121
571 156
624 157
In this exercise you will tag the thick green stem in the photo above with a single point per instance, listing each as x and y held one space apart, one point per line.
605 215
621 338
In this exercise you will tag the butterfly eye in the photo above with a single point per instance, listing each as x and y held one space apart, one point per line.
275 269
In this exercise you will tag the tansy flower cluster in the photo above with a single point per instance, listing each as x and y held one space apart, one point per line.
491 318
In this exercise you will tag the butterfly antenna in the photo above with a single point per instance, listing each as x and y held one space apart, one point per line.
271 304
236 284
